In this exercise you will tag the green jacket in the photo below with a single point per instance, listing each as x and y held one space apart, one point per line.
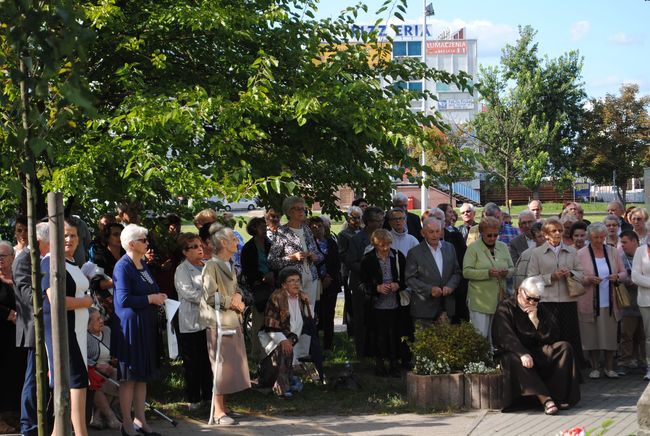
483 290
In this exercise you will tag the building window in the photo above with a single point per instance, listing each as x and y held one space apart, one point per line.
407 48
411 86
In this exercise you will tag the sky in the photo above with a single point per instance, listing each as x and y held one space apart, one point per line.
612 36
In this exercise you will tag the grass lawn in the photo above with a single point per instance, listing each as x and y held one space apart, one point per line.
376 394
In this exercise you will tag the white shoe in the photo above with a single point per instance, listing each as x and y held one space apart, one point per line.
647 375
611 374
594 374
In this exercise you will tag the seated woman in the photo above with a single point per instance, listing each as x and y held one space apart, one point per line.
536 364
99 360
286 319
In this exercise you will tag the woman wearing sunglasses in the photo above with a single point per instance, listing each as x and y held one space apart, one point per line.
537 365
486 265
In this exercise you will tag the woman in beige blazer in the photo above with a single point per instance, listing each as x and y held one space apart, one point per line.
556 263
230 367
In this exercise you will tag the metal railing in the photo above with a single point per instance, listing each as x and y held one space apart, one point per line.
464 190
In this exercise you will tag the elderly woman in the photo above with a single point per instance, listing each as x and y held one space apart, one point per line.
598 310
294 245
556 263
12 363
535 361
191 337
134 343
521 267
230 367
639 219
578 234
567 221
486 265
612 223
382 278
258 275
77 303
286 319
99 360
641 277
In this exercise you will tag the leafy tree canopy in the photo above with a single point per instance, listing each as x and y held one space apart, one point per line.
615 138
231 97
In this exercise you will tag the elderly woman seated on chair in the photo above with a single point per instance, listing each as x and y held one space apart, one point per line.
535 363
283 337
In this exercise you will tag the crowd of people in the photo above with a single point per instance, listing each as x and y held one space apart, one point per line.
544 293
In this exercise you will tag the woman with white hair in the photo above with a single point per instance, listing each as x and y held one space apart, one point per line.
598 309
536 364
295 246
230 367
134 342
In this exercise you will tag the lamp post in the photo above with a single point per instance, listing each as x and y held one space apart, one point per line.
424 191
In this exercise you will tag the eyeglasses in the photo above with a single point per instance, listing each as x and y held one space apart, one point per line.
192 247
2 256
143 240
531 299
636 218
397 218
355 218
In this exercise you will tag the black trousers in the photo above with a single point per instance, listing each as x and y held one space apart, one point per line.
196 363
386 334
326 308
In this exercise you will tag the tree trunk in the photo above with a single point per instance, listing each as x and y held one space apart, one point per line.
507 185
30 181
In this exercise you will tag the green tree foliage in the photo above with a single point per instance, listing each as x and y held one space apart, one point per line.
615 138
235 98
534 106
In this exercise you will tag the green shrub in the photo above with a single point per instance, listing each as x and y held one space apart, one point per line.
457 345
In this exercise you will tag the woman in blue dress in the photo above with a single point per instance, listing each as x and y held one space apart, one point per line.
77 303
136 298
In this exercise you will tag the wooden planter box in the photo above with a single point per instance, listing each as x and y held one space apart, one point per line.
483 391
473 391
438 391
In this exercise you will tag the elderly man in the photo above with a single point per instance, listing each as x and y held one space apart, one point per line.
373 217
616 208
352 227
576 210
402 240
432 274
456 240
412 220
22 274
467 214
525 239
535 206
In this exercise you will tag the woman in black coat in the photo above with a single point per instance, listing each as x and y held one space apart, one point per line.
535 362
382 278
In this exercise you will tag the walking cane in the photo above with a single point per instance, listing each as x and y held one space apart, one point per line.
153 409
220 333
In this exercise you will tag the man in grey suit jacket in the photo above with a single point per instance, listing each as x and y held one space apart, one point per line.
22 275
432 274
524 240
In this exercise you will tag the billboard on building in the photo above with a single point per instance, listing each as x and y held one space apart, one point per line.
446 46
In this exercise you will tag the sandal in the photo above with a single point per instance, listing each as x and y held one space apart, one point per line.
550 408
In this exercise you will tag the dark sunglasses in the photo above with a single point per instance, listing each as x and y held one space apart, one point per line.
531 299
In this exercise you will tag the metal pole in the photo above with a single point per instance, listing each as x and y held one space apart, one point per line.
60 349
424 191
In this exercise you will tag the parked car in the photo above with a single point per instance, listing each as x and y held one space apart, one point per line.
242 204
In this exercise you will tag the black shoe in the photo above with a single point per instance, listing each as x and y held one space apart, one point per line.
146 433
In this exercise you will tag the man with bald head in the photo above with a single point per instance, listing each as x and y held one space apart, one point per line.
525 239
432 274
616 208
535 206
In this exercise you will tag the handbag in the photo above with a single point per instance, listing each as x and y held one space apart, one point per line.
622 296
575 287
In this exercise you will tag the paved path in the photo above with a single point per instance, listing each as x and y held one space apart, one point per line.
601 399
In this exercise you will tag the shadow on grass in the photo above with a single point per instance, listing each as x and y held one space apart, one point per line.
376 395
